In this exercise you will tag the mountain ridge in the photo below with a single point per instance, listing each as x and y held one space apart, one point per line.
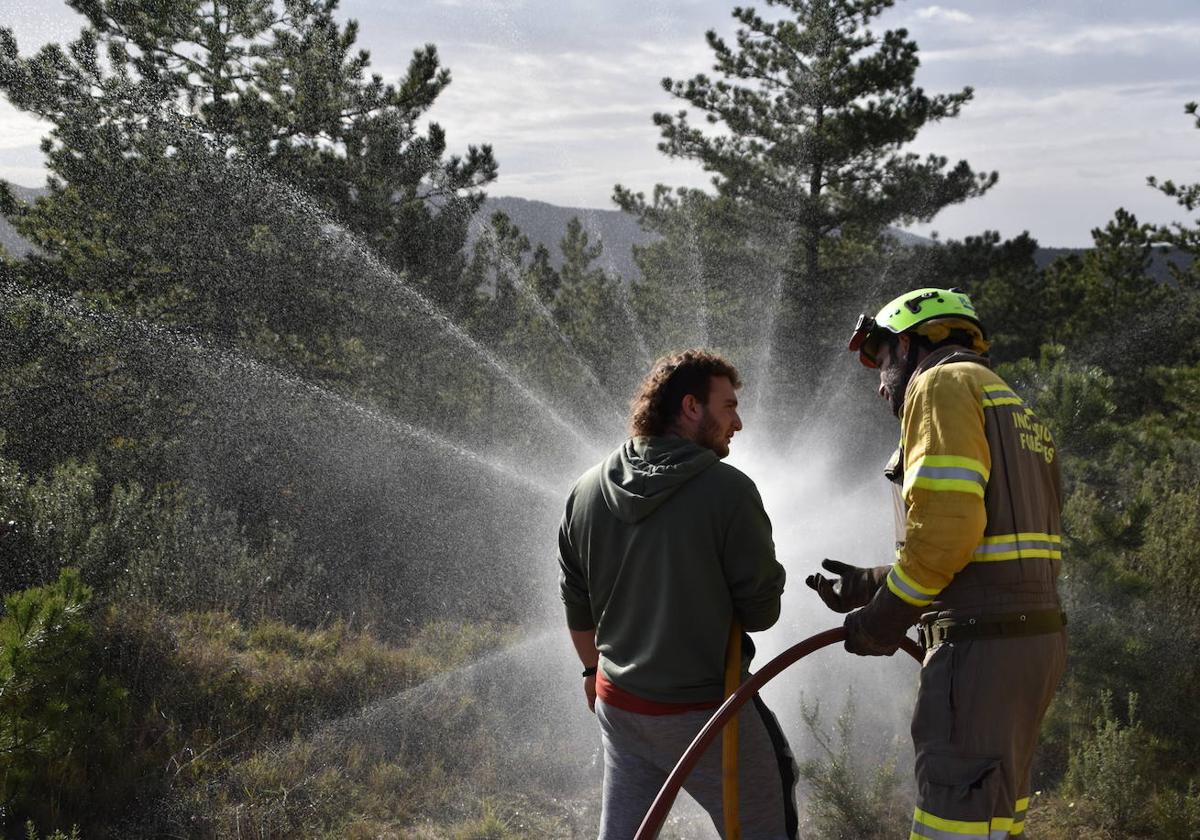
544 223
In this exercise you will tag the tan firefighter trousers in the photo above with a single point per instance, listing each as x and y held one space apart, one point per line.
975 726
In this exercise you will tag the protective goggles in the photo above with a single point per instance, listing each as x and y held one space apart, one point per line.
868 337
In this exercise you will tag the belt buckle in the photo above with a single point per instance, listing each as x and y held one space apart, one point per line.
925 631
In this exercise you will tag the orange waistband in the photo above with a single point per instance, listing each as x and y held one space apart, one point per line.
615 696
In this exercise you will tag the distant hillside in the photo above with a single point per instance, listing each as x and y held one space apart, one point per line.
546 223
1160 259
542 223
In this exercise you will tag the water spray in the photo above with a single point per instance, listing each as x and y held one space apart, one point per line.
338 234
126 326
698 284
626 294
830 380
540 307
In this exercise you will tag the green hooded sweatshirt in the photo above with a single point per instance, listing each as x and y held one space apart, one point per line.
661 546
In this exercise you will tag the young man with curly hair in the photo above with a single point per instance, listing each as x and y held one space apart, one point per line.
661 548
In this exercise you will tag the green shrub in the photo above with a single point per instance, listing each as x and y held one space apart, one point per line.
1175 815
1130 591
62 720
1110 768
169 544
31 833
850 800
57 521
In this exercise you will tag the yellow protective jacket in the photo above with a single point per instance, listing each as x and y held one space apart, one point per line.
981 493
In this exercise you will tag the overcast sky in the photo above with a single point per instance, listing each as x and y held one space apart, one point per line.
1076 101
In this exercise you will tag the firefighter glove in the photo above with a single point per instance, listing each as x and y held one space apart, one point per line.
878 628
852 588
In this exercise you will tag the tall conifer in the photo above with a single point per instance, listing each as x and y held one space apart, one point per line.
812 112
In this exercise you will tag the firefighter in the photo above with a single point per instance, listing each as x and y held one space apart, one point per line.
976 564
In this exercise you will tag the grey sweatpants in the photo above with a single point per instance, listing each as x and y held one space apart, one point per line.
641 750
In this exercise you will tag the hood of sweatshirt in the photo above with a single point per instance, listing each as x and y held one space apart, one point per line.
644 472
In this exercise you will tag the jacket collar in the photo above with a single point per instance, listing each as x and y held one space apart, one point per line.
945 356
948 355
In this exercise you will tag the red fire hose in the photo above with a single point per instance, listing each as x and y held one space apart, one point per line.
670 789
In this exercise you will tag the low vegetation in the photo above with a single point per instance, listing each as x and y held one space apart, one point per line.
123 716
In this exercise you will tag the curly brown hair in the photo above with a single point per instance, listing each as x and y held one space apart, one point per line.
660 396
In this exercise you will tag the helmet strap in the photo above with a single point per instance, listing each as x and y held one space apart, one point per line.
915 344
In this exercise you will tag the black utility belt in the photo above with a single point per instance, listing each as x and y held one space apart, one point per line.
936 631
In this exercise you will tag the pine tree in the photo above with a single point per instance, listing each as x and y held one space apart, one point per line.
276 83
1180 235
563 329
815 111
588 308
818 108
199 153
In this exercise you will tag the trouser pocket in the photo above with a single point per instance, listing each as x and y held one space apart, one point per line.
933 714
960 797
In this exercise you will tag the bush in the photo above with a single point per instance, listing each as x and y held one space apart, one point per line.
1109 768
31 833
1130 591
169 544
850 800
62 720
55 521
1175 815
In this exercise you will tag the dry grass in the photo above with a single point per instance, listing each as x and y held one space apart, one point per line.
236 711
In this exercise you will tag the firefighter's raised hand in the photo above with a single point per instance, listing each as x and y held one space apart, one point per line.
853 587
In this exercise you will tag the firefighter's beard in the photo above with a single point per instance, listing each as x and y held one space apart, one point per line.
895 382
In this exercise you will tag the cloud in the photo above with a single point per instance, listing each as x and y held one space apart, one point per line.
942 13
481 5
1104 40
1033 39
18 129
21 159
23 176
548 98
1067 159
567 124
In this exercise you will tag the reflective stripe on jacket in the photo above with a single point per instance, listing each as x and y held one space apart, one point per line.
981 489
